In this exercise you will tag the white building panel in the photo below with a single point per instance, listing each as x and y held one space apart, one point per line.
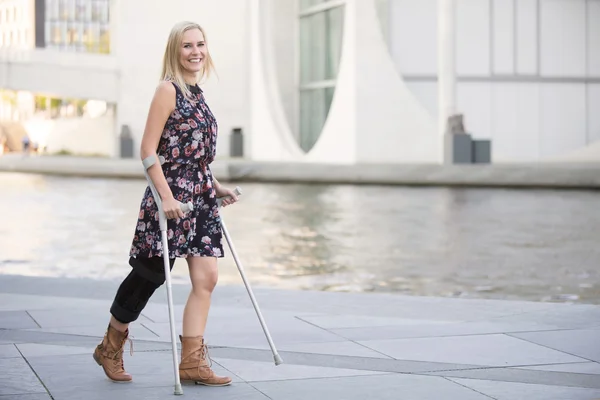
515 119
563 128
593 97
473 37
527 37
563 32
474 101
593 38
503 37
413 36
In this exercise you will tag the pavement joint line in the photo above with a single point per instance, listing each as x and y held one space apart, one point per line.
321 378
35 373
519 313
470 388
258 390
473 334
339 335
142 324
533 381
34 320
548 347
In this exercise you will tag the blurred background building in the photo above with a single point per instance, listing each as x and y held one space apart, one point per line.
317 80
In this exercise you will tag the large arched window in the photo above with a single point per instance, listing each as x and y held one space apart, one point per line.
321 30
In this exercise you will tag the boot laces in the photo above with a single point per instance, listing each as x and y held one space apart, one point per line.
117 355
206 357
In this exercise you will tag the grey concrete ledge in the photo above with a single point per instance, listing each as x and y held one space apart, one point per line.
538 175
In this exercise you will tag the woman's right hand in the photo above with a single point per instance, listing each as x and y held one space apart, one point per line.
172 208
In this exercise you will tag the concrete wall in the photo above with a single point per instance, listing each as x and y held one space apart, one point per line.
85 136
531 87
60 74
139 47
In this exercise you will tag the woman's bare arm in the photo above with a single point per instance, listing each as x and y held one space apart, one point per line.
163 104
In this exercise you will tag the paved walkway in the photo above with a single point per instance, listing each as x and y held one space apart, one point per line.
334 345
579 175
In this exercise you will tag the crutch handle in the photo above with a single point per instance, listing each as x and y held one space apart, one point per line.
237 191
186 207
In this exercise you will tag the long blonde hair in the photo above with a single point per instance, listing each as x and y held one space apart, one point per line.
172 69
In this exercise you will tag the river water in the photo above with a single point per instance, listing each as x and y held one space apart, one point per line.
538 245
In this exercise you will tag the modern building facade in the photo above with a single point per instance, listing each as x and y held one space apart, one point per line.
338 81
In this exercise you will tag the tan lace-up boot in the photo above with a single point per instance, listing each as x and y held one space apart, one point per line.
109 354
195 363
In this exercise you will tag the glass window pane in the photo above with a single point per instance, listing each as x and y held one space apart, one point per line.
314 107
305 53
313 45
304 4
321 37
335 23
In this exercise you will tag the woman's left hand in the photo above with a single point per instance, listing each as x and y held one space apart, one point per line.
228 195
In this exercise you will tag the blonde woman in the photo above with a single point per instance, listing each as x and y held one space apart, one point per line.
182 131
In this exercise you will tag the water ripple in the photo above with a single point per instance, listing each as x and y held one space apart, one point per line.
536 245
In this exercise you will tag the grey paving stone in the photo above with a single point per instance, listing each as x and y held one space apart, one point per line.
16 320
381 387
61 339
490 350
246 331
388 305
251 371
159 313
525 376
222 314
347 348
72 317
16 302
80 373
583 343
43 350
63 291
357 321
236 391
97 329
334 361
575 368
568 316
512 391
9 351
16 377
4 342
438 330
29 396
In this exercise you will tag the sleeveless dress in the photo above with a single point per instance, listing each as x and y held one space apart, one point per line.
186 148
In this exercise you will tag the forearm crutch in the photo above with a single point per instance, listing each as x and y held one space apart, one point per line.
162 220
276 356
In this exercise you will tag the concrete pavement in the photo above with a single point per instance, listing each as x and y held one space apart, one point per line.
572 175
334 345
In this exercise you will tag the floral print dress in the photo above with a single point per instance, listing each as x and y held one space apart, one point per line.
186 148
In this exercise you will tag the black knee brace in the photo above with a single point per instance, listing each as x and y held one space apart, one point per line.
146 276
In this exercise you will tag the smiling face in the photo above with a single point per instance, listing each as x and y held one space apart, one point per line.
193 52
186 59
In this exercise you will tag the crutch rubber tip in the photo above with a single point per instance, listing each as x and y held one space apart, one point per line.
278 359
178 389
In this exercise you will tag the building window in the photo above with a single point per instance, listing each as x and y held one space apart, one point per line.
321 31
77 25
